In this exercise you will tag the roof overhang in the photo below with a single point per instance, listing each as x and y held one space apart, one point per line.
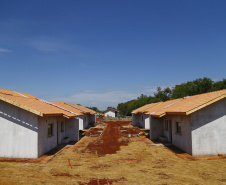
21 106
206 104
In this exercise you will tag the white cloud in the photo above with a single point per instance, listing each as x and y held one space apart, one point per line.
89 91
99 99
108 97
47 44
5 50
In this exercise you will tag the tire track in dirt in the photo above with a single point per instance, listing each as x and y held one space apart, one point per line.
111 139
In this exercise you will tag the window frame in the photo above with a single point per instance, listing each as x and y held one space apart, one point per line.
50 130
62 126
178 128
166 125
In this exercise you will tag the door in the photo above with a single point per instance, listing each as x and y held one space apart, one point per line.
58 134
170 131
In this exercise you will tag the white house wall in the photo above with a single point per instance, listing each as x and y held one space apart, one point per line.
18 133
135 119
143 123
83 122
147 121
92 118
45 143
72 129
209 129
156 128
110 113
183 140
61 133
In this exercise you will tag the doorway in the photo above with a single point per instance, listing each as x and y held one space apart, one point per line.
170 130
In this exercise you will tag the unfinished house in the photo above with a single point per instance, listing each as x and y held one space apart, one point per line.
110 113
141 117
86 117
195 124
31 127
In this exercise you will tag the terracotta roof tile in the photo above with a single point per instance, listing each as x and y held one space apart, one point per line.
35 106
68 107
145 108
14 93
161 106
90 110
110 109
191 104
84 110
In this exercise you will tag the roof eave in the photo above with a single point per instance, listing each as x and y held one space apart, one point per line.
21 106
206 104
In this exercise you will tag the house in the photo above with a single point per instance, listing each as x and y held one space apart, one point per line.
85 116
110 113
31 127
141 116
195 124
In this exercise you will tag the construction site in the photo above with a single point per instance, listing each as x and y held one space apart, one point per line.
114 152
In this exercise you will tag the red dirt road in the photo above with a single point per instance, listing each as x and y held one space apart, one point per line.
114 135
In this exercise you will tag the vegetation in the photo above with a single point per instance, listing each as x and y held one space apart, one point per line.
198 86
111 108
94 108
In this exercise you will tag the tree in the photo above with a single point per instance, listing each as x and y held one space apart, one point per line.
198 86
219 85
163 95
109 107
94 108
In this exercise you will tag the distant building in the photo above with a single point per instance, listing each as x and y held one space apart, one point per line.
31 127
110 113
195 124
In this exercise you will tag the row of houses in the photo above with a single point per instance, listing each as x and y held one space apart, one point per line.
31 127
195 124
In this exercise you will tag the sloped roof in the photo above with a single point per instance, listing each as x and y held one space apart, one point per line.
151 108
110 109
145 108
68 107
34 105
84 110
183 106
191 104
161 106
87 109
14 93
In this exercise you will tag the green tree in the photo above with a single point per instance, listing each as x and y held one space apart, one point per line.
219 85
163 95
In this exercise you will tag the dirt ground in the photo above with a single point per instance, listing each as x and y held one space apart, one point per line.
112 153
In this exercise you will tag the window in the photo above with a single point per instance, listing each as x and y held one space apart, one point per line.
178 127
50 130
166 125
62 126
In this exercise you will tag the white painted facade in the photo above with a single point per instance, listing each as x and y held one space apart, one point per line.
141 120
25 135
85 120
110 113
209 129
202 133
18 132
72 129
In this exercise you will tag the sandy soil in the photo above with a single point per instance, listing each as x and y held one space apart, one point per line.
107 155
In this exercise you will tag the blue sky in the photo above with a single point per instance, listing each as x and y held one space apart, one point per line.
104 52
